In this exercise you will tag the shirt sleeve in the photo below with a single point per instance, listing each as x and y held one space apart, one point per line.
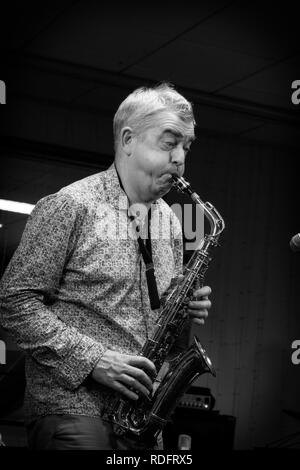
33 274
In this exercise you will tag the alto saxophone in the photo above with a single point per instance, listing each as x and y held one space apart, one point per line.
143 418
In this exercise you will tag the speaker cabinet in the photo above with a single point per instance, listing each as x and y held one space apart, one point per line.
208 430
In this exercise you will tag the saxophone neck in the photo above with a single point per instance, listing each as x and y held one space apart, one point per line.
215 219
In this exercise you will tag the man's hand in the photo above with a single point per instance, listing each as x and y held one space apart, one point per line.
125 374
198 309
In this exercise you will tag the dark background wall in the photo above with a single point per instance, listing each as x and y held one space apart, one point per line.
64 84
255 282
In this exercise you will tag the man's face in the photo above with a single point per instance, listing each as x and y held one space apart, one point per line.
158 153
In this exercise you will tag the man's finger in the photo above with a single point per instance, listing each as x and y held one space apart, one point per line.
125 391
140 375
198 321
200 304
133 385
203 291
198 313
142 363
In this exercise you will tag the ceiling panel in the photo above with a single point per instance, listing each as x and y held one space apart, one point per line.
191 65
281 99
111 37
223 120
103 97
22 21
271 86
260 29
100 48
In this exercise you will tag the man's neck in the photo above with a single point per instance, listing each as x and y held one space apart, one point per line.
124 178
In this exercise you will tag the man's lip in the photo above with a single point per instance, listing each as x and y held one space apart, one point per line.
170 174
166 178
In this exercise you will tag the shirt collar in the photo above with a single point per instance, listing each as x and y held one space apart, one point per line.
115 194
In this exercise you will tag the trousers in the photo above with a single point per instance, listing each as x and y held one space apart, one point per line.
74 432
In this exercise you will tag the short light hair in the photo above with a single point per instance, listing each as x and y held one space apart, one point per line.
143 103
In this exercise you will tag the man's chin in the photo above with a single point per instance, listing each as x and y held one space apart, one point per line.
164 189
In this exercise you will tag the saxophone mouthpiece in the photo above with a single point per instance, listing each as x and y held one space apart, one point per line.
181 184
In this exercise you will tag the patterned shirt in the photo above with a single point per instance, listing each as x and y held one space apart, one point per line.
76 286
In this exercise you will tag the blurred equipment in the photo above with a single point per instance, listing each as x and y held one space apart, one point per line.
295 242
184 442
197 398
194 424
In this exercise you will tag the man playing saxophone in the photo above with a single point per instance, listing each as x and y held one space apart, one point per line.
81 294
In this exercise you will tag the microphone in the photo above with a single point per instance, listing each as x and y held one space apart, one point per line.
295 242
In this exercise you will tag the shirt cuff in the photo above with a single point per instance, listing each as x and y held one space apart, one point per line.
80 363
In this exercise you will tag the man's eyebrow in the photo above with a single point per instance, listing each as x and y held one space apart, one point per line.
179 134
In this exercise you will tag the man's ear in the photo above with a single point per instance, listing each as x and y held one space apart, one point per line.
127 139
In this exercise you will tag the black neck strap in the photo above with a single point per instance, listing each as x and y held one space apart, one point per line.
146 251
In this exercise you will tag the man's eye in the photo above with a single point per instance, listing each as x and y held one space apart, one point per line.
169 144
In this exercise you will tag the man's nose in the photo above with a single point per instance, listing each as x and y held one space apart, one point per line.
178 155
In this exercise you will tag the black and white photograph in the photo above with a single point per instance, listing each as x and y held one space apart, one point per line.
150 229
